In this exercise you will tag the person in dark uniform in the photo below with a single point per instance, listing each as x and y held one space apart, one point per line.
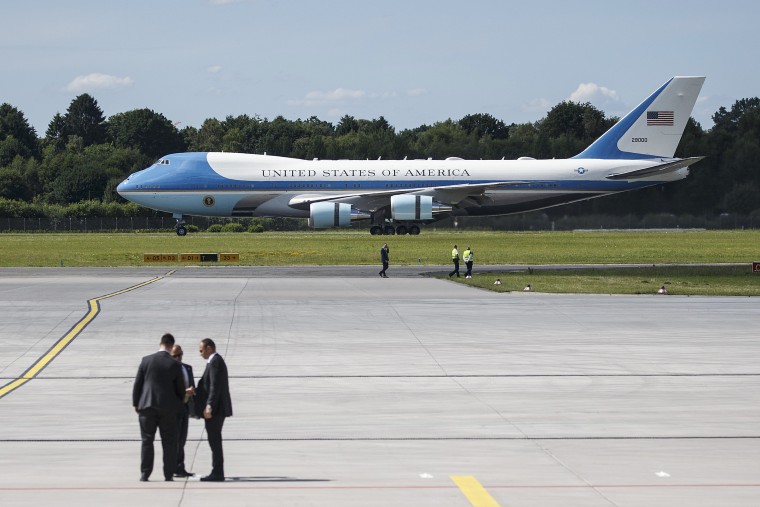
183 416
214 404
157 395
455 260
384 251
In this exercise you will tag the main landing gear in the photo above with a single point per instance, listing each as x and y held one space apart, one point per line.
389 230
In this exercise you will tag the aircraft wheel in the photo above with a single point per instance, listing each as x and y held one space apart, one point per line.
181 230
376 230
401 230
414 230
389 230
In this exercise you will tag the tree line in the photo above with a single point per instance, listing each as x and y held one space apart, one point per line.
84 155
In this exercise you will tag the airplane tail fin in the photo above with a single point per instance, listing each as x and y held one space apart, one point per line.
654 128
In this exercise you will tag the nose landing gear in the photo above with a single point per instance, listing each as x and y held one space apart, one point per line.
180 226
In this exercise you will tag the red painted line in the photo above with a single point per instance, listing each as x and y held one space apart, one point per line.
231 485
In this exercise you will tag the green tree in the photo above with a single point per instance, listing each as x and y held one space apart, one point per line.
346 125
447 139
55 136
13 185
17 137
149 132
729 120
484 125
85 119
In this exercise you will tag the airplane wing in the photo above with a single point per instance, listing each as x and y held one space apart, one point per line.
665 168
450 194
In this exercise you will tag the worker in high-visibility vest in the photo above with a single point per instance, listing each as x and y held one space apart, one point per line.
455 260
467 256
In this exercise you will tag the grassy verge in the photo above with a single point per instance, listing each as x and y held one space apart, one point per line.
358 247
678 280
434 247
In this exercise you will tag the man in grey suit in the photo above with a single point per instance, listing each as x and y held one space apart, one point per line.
213 403
157 396
183 416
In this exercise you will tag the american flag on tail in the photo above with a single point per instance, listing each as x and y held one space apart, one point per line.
665 118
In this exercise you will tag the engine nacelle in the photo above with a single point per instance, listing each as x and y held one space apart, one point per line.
412 207
323 215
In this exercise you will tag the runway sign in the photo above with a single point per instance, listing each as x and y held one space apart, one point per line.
160 257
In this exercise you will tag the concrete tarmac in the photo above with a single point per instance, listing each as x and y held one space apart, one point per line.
352 390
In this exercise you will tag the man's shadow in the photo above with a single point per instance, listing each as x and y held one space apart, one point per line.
272 479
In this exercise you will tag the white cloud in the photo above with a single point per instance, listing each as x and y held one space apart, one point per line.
592 92
97 81
223 2
337 96
344 96
416 92
214 69
537 105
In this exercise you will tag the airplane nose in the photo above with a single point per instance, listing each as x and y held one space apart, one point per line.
123 186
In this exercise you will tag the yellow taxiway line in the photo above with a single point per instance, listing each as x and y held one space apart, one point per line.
474 491
65 340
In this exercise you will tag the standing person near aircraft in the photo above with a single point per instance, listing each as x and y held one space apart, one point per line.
455 260
157 396
214 404
467 256
183 416
384 251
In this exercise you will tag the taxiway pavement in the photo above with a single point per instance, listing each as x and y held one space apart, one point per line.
351 390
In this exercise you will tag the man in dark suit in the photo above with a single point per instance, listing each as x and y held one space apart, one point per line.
184 413
157 397
214 404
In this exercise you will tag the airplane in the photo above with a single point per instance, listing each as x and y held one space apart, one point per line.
397 196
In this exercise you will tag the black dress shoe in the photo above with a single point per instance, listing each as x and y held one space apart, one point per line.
184 474
168 479
143 478
212 478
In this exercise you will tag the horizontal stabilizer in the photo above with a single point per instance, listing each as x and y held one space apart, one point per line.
668 167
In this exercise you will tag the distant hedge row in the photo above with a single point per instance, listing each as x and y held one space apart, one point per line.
20 209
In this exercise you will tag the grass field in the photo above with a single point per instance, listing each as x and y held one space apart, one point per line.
433 248
677 280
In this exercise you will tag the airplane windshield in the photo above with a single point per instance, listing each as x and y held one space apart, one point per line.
162 161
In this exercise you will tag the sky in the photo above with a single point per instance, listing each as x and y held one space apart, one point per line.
414 62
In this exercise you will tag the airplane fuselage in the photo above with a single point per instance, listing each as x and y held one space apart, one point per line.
235 184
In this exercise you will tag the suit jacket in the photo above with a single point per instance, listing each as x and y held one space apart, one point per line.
159 383
190 403
214 389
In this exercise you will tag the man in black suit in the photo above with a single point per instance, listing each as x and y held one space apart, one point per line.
184 413
214 404
157 397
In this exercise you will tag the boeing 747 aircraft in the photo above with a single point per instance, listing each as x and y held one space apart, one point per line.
397 196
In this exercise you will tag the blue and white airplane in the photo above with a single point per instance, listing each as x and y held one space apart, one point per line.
397 196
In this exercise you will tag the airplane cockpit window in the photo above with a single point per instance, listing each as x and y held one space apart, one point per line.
162 161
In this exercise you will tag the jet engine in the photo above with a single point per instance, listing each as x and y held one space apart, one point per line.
323 215
412 207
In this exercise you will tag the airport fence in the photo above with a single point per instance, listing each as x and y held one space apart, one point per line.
526 222
135 224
